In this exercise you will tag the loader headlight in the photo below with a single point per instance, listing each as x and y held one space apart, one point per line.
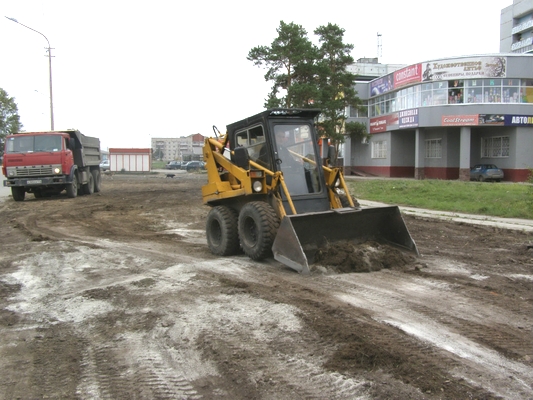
257 186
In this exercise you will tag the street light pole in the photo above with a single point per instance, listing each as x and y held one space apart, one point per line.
49 49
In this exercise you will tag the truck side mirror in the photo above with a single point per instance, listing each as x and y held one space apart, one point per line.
241 158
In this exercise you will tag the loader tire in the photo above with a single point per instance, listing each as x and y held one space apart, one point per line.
222 231
258 225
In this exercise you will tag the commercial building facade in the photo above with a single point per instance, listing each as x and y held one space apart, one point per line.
438 118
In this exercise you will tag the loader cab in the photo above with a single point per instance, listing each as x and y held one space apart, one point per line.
285 140
294 155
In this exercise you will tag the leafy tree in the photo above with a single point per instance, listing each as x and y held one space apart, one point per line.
289 62
356 131
335 83
312 76
9 118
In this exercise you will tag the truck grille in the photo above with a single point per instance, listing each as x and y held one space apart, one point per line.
42 170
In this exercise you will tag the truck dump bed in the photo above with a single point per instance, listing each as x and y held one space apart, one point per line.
86 149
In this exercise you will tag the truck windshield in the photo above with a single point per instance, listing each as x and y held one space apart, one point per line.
33 144
295 157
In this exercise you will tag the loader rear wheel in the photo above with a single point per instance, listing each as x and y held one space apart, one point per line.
222 231
258 225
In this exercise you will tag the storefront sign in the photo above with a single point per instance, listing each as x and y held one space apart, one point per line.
381 85
408 118
491 119
518 120
486 119
459 120
465 68
378 124
408 75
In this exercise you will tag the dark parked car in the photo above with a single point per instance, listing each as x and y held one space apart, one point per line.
486 172
173 165
195 166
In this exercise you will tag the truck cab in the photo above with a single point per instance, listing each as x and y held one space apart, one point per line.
46 163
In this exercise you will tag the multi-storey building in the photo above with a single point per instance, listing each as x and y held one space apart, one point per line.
184 148
438 118
516 27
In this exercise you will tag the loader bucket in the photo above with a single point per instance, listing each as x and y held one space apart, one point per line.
300 236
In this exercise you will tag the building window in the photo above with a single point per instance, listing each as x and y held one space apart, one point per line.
490 90
455 91
495 147
526 88
379 149
434 148
358 112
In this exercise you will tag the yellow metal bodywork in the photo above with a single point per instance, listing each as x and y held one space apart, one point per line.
299 236
227 180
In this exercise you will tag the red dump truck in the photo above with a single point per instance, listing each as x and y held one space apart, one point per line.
46 163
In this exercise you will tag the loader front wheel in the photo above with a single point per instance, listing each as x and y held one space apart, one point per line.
258 225
222 231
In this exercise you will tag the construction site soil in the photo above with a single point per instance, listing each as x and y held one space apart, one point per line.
116 296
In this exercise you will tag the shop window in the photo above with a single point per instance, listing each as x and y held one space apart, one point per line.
427 95
440 93
526 91
511 91
495 147
492 90
379 149
433 148
473 91
455 91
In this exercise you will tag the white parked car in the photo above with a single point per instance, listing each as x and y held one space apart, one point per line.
104 165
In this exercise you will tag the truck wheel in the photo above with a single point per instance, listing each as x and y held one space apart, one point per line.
72 187
222 231
258 225
18 193
97 177
88 188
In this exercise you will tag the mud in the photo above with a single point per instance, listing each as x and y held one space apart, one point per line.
116 296
347 256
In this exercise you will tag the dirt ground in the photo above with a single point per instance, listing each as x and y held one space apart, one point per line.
116 296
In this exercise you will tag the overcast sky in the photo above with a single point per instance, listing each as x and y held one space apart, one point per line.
127 71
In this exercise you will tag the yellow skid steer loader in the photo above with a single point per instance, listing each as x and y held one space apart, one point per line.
270 193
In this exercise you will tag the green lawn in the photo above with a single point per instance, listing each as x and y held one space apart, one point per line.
158 164
511 200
